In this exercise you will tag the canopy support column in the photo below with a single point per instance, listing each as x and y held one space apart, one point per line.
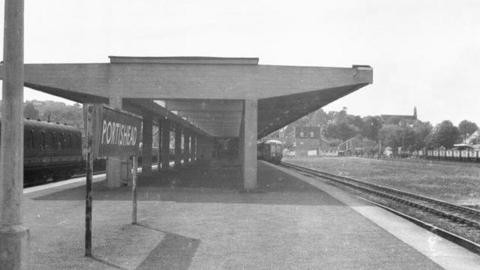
194 147
248 144
178 146
186 155
165 155
147 144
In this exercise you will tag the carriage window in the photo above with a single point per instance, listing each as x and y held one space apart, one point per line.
26 140
61 143
52 140
32 139
43 141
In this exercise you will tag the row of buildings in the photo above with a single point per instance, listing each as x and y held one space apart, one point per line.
309 141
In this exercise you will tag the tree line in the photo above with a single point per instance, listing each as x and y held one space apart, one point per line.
408 134
54 111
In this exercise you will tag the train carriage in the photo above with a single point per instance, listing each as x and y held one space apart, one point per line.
270 150
51 151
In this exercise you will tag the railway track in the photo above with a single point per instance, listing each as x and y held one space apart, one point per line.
460 215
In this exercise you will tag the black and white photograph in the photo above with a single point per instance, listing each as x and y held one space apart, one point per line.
240 135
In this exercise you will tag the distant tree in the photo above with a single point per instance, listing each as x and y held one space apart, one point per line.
371 126
29 111
60 112
445 134
342 131
467 128
397 136
422 131
357 121
318 118
341 115
389 135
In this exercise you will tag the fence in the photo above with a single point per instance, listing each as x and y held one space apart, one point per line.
452 155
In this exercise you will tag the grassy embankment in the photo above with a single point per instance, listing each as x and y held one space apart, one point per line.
454 182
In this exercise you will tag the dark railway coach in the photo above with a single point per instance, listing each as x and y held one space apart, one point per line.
51 151
270 150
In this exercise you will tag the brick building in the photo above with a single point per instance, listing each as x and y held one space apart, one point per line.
307 141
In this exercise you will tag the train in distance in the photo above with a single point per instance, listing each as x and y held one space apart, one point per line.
270 150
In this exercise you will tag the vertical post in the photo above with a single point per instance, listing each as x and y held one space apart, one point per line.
147 144
14 237
249 144
165 144
241 141
186 146
160 146
88 186
194 148
178 146
134 190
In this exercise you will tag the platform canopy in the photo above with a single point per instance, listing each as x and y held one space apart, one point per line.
204 93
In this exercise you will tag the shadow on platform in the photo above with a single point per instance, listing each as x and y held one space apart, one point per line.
208 184
174 251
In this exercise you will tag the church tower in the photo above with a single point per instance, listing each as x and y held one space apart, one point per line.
415 113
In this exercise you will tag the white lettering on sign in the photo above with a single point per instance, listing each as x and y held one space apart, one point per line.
119 134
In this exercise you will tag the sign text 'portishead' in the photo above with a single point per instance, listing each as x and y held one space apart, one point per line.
118 133
115 133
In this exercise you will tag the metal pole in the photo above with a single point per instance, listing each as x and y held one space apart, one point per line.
14 238
134 190
89 173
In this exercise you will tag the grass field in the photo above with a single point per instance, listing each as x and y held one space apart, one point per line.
454 182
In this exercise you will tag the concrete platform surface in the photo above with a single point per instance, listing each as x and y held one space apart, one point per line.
197 219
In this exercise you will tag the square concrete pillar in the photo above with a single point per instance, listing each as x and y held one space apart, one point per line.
248 143
178 145
241 141
165 147
147 144
159 153
116 172
204 147
193 148
187 146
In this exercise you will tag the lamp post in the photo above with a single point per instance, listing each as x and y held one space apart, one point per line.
13 235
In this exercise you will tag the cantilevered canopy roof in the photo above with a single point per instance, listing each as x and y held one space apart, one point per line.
204 93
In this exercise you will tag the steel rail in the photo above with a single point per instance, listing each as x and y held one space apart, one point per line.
392 194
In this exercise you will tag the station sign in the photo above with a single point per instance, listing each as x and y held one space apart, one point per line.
115 133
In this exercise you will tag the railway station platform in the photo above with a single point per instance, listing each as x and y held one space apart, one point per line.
198 218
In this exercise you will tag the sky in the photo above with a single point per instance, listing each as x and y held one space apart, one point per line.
424 53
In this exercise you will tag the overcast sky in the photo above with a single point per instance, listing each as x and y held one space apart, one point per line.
424 53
